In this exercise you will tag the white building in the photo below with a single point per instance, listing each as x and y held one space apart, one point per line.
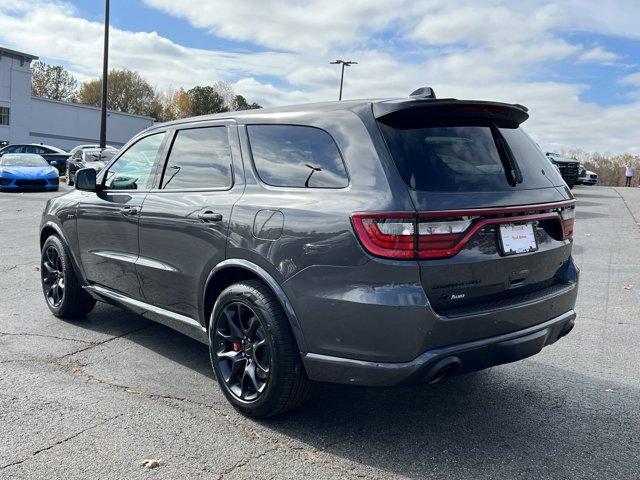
27 119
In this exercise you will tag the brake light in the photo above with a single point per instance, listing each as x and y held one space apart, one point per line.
568 218
443 234
437 238
392 237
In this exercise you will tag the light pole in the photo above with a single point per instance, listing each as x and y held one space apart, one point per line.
344 64
105 73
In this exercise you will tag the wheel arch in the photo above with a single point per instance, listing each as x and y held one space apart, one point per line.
49 228
231 271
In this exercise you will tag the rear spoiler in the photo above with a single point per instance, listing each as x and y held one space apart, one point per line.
451 109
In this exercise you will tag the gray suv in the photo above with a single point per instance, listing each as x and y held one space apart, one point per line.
377 242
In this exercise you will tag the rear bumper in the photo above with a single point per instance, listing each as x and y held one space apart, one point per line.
460 358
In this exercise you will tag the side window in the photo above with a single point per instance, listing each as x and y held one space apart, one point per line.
296 156
199 158
37 150
133 170
77 156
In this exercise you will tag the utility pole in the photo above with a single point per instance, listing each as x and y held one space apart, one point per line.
344 64
105 74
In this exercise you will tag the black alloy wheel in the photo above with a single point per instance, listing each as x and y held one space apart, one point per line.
243 351
62 290
254 353
53 277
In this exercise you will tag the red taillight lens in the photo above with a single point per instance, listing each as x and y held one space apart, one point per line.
568 217
395 236
437 238
392 237
431 235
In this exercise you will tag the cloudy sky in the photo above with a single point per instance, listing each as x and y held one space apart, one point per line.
574 63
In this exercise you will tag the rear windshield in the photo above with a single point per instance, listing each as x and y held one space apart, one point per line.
465 158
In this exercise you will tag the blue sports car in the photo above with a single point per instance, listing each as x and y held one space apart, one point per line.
22 171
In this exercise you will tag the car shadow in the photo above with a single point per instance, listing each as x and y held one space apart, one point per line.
179 348
524 420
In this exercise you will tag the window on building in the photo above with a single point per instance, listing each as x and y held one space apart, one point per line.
199 158
4 115
296 156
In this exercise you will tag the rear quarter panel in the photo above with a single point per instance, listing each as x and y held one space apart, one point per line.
316 257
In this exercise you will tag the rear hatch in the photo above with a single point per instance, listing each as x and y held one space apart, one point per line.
494 220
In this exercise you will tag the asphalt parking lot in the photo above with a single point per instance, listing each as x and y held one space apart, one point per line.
94 399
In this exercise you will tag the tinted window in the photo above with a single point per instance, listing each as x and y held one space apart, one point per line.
296 156
199 158
462 158
133 170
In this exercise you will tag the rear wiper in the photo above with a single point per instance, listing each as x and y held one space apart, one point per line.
509 163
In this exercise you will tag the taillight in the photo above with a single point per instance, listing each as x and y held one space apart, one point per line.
568 218
395 236
443 234
437 238
390 237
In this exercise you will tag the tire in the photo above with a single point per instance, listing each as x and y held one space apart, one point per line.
237 351
69 181
60 285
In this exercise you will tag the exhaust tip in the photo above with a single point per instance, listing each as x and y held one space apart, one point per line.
443 369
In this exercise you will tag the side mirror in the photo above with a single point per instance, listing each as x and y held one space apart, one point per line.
86 180
54 164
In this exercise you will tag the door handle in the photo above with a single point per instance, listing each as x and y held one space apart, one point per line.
129 211
209 216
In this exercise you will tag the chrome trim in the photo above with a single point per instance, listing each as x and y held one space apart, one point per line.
149 262
123 257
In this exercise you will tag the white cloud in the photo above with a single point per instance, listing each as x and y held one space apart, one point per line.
598 54
632 79
309 26
54 31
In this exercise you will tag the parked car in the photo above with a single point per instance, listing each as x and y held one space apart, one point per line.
586 177
373 242
25 171
90 146
569 167
88 158
49 153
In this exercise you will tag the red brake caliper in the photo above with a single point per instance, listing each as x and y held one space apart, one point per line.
236 347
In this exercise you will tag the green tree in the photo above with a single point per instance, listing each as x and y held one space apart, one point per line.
242 104
53 82
127 91
206 100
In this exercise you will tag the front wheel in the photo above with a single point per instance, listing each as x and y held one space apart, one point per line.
253 352
62 290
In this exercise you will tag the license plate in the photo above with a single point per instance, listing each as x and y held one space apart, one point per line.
517 238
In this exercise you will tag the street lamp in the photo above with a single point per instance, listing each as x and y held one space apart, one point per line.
344 64
105 73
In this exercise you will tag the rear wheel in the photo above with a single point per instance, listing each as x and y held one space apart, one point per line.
253 352
62 290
